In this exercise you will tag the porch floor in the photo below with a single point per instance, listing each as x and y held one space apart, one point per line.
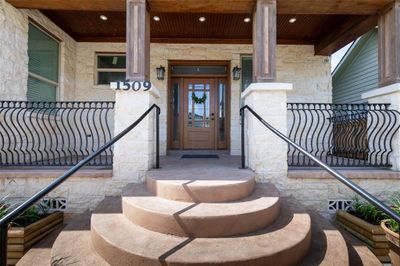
175 162
200 179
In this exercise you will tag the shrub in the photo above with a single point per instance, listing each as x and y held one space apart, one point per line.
31 215
367 211
395 205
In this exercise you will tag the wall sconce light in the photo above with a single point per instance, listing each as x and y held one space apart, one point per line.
236 73
160 72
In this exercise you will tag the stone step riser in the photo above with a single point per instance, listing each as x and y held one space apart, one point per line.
215 225
286 246
200 191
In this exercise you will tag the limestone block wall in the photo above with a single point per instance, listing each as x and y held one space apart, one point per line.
315 189
309 74
13 53
83 191
14 25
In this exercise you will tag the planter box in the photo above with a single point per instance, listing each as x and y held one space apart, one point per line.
21 239
372 235
394 244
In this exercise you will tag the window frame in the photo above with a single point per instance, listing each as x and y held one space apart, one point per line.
97 70
38 77
241 61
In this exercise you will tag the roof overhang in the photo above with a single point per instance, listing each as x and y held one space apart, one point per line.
328 25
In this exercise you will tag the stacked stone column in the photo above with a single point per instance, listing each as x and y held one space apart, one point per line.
266 153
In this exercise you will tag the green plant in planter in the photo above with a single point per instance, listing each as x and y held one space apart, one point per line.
395 205
33 214
367 211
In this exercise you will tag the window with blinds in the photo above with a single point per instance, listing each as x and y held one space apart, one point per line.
43 52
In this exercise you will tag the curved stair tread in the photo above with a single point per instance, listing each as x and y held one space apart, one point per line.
205 219
73 245
331 246
201 185
284 243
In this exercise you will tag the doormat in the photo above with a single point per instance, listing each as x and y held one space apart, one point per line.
200 156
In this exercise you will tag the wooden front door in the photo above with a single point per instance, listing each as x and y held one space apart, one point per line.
199 104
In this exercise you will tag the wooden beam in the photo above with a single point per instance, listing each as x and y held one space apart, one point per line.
264 41
349 30
350 7
88 5
138 41
389 45
331 7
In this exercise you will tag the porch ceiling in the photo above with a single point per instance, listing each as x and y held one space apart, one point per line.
342 7
86 26
327 24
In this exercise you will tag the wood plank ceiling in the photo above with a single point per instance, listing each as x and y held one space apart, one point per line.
338 7
185 27
327 24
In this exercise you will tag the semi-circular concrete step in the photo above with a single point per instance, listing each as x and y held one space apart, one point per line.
201 185
121 242
204 219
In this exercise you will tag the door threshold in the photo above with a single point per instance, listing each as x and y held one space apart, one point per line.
183 152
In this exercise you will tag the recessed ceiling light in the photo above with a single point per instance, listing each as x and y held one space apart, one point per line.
202 19
292 20
102 17
156 18
246 20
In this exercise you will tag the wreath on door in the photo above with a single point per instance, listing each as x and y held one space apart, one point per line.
198 100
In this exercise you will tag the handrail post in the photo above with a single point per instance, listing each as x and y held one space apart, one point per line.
3 246
157 137
242 138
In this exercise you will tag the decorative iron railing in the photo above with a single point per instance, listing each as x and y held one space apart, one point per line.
13 214
342 135
54 133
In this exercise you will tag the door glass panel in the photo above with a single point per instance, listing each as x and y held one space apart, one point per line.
221 111
198 105
175 111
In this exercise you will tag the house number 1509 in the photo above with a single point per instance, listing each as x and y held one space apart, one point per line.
133 85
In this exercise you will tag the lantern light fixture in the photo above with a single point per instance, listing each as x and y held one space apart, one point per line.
236 73
160 72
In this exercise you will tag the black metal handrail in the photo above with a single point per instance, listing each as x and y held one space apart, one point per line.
346 181
342 135
7 219
54 133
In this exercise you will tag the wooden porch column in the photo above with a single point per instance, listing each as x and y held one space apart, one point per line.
264 41
137 41
389 44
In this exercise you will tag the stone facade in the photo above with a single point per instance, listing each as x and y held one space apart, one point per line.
310 84
13 53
